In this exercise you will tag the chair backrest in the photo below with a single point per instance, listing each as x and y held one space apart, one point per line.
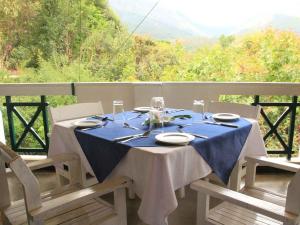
75 111
293 195
23 174
247 111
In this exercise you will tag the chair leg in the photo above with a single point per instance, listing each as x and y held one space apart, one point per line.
236 176
181 192
202 208
131 193
120 205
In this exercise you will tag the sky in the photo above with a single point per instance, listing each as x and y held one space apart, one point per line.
231 13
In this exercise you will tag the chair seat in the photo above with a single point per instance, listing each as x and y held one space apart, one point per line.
94 211
268 196
230 214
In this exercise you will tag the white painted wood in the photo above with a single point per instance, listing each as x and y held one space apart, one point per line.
217 88
143 92
120 205
248 111
181 192
54 206
29 182
293 195
5 199
243 110
236 176
248 202
75 111
2 135
275 163
249 206
68 205
69 112
35 89
202 208
250 173
181 95
106 93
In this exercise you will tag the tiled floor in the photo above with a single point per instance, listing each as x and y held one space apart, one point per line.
185 214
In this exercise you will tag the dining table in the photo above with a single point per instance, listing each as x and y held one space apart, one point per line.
158 169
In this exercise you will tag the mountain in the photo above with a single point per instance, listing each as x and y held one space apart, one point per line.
172 24
277 21
161 23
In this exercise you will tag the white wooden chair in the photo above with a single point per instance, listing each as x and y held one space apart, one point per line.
75 111
247 111
69 112
239 170
252 205
243 110
67 205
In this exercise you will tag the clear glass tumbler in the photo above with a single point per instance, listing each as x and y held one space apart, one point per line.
198 107
118 112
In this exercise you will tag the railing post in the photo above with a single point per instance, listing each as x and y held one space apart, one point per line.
2 134
45 120
9 109
292 126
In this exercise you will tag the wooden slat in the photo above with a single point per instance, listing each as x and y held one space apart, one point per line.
80 212
52 207
217 88
275 163
35 89
19 205
265 195
250 213
266 208
227 214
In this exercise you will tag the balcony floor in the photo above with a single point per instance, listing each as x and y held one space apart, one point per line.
186 211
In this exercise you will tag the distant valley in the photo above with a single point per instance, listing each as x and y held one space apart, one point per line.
173 25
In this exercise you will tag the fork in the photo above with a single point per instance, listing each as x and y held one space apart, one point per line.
144 135
126 125
196 135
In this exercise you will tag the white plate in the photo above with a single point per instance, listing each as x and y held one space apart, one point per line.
87 123
225 116
174 138
142 109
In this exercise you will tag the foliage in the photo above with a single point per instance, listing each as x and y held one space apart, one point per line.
71 40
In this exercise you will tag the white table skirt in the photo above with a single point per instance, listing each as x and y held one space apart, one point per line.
156 171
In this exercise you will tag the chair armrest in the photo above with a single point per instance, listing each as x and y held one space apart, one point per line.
54 206
39 164
275 163
245 201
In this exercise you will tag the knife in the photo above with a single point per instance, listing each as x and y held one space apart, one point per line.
222 124
127 137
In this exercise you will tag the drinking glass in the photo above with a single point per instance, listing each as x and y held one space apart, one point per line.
198 107
156 113
118 112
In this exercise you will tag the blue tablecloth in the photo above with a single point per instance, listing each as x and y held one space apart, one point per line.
221 150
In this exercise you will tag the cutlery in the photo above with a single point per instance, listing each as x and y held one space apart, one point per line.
174 111
91 128
105 118
196 135
126 125
222 124
135 117
144 135
128 136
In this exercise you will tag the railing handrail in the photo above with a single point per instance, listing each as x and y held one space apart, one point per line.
218 88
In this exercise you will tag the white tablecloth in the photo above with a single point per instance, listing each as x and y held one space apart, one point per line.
156 171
